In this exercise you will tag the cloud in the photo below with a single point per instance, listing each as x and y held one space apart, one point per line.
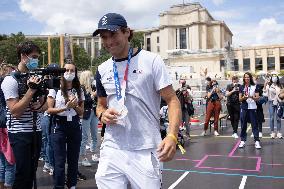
81 16
266 31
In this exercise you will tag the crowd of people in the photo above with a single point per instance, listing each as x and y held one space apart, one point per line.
138 136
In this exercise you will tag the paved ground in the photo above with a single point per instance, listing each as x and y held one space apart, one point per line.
213 162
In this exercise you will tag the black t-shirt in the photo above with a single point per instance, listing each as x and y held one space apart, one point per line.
233 98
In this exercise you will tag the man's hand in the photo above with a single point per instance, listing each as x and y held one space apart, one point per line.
33 82
110 116
166 149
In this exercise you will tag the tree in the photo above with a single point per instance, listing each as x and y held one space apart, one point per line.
104 55
81 58
137 40
8 47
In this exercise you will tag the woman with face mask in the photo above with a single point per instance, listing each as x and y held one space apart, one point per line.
67 106
272 91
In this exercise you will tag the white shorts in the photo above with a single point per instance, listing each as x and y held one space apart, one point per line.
117 168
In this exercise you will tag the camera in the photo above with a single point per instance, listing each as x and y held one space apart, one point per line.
50 79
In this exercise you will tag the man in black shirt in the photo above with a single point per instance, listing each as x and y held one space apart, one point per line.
233 104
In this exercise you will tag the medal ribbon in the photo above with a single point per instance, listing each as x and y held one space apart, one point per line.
120 89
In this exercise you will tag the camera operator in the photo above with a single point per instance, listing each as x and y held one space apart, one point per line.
233 104
22 118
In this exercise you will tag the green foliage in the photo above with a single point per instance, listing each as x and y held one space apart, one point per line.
104 55
81 58
8 51
137 40
8 45
281 73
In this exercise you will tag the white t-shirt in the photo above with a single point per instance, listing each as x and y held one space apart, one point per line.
272 92
25 122
60 101
147 75
250 101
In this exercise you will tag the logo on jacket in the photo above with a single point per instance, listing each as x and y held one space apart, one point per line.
137 71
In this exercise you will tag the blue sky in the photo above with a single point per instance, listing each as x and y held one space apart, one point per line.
251 21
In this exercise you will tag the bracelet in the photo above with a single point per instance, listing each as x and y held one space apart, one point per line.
173 137
183 151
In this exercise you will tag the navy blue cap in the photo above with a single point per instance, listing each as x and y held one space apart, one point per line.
111 22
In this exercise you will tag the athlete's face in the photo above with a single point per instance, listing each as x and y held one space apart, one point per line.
116 43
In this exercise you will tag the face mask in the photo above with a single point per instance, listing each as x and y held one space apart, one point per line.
32 63
274 79
69 76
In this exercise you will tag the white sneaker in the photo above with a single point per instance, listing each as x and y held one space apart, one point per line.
272 135
242 144
51 171
279 135
86 163
203 133
257 145
46 168
88 147
260 134
95 157
251 135
216 133
235 135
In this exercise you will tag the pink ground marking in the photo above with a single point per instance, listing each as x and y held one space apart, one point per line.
257 168
235 148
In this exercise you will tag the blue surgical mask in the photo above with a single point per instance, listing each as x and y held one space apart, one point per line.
32 63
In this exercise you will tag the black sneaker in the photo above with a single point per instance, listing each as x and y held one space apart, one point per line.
80 176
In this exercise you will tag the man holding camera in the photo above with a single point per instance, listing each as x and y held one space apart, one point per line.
233 104
23 121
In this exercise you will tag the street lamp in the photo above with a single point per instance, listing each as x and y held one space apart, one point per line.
43 53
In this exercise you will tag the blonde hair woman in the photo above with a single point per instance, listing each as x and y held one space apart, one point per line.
90 121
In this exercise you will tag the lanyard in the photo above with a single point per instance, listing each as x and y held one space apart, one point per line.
120 89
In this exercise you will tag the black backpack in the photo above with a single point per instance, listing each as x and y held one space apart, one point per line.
3 110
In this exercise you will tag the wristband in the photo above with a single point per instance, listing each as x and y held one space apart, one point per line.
173 137
182 150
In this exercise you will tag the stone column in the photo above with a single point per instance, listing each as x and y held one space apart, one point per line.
264 59
277 59
252 60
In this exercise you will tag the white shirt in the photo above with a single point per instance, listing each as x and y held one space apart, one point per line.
60 101
250 101
23 124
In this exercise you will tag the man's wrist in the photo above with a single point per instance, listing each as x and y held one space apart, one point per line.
173 137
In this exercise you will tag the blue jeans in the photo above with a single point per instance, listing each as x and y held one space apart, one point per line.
46 141
89 126
249 115
185 120
7 171
272 114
